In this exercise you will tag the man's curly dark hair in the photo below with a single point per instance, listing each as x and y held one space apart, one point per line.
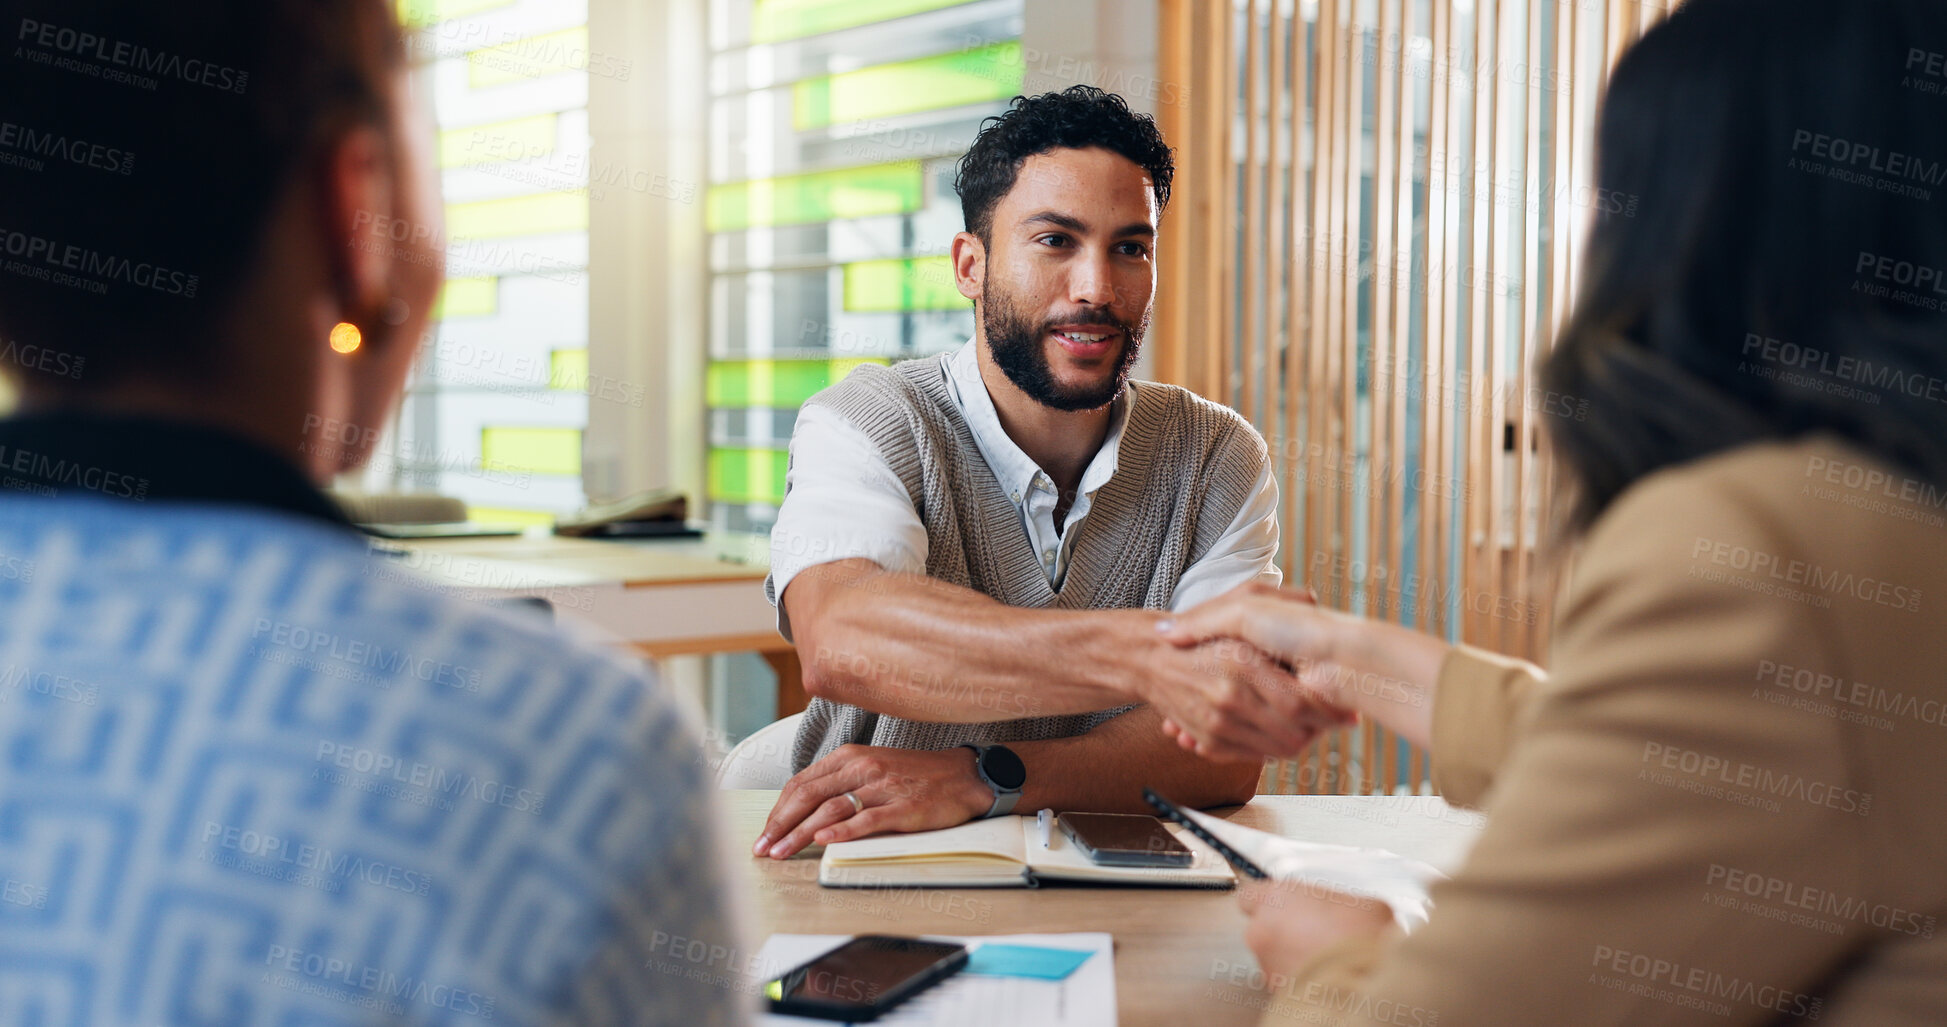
1075 118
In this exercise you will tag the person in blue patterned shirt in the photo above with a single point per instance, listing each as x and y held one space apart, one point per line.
251 771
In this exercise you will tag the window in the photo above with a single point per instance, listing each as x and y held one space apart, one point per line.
834 129
496 405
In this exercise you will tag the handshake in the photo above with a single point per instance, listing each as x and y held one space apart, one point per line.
1262 671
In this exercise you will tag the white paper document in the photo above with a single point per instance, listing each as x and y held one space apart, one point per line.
1399 882
1085 998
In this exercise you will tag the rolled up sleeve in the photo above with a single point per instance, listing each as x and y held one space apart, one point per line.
842 501
1246 552
1476 712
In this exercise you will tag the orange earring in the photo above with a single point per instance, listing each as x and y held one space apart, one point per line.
345 337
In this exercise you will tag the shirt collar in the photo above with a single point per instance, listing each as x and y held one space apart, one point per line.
141 459
1014 468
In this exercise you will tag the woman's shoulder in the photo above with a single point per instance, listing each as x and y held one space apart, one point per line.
1814 521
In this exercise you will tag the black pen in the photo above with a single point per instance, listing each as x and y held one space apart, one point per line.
1235 858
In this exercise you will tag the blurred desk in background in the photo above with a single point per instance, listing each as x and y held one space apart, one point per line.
661 597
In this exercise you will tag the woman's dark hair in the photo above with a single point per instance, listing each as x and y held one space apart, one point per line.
142 146
1075 118
1784 270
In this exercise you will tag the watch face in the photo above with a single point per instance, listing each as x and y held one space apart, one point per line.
1003 768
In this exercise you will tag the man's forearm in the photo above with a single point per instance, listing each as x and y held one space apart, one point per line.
922 649
1106 770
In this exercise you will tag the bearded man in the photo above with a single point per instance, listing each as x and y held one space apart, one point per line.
975 549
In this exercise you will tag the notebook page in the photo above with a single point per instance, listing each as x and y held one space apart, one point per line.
1000 837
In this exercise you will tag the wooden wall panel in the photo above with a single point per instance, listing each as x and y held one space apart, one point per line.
1377 224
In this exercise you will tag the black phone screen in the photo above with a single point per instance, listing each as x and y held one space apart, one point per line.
1122 832
863 972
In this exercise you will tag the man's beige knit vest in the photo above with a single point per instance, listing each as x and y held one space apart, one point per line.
1185 467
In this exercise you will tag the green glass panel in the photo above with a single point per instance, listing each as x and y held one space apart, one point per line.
516 139
980 75
773 383
508 515
533 214
747 475
774 20
897 188
467 297
568 369
914 283
539 450
421 13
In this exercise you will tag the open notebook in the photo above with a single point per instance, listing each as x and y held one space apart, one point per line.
1004 852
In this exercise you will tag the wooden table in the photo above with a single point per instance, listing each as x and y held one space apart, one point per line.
1180 956
661 597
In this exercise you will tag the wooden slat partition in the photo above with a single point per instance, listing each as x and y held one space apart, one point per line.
1372 285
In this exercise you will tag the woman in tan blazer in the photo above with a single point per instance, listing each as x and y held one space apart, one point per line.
1724 802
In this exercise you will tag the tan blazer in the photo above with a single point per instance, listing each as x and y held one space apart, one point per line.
1725 805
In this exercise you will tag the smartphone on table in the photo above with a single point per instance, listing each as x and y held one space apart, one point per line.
865 977
1125 840
1236 859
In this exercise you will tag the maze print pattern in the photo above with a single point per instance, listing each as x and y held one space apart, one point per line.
252 774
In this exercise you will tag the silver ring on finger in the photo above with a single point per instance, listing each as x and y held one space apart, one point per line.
857 806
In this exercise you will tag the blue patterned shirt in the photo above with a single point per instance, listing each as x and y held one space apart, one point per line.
251 773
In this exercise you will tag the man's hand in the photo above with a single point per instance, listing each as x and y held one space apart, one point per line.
898 790
1229 701
1368 667
1292 921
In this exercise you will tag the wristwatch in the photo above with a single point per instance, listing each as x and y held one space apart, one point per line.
1003 772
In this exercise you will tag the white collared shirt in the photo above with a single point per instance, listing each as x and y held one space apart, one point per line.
844 501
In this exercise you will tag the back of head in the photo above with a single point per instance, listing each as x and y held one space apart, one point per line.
144 145
1783 267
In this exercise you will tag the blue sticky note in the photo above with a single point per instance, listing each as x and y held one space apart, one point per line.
1025 961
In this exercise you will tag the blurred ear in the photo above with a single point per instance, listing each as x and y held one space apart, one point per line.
969 264
362 228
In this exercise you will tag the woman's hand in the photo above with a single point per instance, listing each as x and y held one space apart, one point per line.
1292 921
1349 663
